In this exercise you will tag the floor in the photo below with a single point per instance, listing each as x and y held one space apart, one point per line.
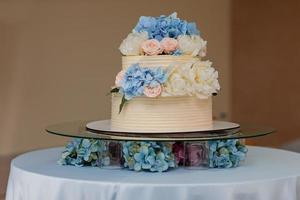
4 171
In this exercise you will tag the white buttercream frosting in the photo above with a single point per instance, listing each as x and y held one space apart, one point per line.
162 114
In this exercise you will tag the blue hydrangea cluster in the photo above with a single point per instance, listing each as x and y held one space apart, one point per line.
136 78
148 156
177 52
85 152
226 153
165 26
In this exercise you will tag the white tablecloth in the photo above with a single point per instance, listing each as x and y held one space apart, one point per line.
268 174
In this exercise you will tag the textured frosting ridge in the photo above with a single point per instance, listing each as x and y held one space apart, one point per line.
162 114
157 61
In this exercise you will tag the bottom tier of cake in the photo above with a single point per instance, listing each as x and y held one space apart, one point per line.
162 114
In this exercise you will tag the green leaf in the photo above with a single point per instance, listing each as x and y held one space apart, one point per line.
94 156
114 90
122 103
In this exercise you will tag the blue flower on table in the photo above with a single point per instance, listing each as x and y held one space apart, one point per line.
85 152
236 159
231 143
71 148
213 146
139 157
159 166
152 156
242 148
86 143
221 143
79 162
226 153
223 161
150 159
137 166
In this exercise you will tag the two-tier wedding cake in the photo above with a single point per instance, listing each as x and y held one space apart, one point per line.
164 85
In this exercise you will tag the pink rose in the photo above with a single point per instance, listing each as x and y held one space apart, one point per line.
202 52
169 44
151 47
119 78
152 91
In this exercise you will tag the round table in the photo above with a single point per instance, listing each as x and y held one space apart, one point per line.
267 174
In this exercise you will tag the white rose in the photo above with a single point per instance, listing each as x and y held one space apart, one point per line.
192 45
178 83
204 79
131 46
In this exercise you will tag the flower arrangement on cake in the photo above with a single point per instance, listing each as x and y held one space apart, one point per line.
198 79
164 35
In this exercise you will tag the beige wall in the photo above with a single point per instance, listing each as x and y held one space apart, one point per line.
58 60
266 52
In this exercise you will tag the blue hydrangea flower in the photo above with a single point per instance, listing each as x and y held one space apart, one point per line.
165 26
150 156
136 78
223 161
226 153
177 52
192 29
85 152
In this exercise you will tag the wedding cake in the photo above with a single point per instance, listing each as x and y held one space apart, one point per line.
165 85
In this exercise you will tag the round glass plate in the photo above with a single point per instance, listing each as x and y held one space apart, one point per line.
78 130
218 127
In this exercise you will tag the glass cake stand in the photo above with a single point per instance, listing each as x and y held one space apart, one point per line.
102 130
221 146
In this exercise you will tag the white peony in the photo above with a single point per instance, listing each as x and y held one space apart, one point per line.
192 45
178 83
131 46
194 79
204 79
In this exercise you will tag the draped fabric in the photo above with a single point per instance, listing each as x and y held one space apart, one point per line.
267 174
